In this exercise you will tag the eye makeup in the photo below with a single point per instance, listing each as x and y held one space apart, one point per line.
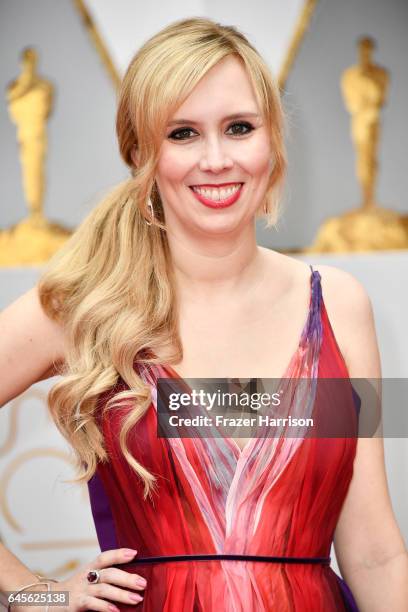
248 126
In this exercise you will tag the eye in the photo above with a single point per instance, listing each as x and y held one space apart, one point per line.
244 124
175 135
178 134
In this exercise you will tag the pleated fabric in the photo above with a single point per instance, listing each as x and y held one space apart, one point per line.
278 497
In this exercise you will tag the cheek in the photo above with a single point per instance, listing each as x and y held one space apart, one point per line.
257 161
172 166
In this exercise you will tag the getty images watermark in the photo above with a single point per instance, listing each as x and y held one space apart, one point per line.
227 401
287 407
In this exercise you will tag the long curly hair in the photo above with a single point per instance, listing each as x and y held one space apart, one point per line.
111 285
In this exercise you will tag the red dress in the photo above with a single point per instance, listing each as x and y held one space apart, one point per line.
276 503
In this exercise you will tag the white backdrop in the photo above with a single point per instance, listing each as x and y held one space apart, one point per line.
126 24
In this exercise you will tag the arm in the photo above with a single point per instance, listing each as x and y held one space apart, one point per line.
369 547
14 574
31 346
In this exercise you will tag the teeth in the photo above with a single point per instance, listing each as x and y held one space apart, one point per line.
217 194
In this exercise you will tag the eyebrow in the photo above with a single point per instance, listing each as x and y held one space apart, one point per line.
228 117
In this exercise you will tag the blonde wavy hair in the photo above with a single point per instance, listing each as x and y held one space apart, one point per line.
111 286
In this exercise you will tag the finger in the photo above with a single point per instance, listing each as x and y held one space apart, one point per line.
108 591
110 557
112 575
99 605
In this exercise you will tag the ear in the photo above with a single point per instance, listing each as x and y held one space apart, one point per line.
134 154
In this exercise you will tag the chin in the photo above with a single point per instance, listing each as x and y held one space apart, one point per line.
217 226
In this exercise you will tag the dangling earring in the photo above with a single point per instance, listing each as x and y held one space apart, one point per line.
150 206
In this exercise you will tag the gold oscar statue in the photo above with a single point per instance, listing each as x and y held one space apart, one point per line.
364 90
30 101
368 227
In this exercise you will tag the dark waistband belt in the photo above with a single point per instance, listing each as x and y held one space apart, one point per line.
228 557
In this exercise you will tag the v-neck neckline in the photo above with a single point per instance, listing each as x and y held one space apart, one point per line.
303 337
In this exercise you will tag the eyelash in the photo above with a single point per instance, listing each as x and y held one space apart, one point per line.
186 129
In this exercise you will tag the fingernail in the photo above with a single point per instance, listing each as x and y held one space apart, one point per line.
135 597
113 608
129 553
141 582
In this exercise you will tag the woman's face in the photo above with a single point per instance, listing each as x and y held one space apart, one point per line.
215 160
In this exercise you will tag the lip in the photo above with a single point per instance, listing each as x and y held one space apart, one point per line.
217 184
212 203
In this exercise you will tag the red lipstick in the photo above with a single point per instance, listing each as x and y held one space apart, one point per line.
221 203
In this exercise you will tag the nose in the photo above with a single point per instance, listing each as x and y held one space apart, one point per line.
214 157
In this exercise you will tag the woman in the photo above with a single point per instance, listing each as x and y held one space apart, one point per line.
167 271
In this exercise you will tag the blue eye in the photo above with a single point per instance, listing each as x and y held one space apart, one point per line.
177 134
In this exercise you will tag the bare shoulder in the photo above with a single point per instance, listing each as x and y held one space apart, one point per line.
350 311
343 284
31 345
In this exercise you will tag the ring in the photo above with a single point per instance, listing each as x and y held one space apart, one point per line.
93 576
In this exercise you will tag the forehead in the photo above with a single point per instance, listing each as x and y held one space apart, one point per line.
225 89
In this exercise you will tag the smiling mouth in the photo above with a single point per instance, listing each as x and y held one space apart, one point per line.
217 194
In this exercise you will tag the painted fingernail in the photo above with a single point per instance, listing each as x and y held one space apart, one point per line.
135 597
129 553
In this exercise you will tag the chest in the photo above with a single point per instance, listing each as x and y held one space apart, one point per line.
241 346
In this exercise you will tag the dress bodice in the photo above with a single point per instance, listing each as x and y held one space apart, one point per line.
280 497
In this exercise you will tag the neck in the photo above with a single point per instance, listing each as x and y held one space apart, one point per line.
217 267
